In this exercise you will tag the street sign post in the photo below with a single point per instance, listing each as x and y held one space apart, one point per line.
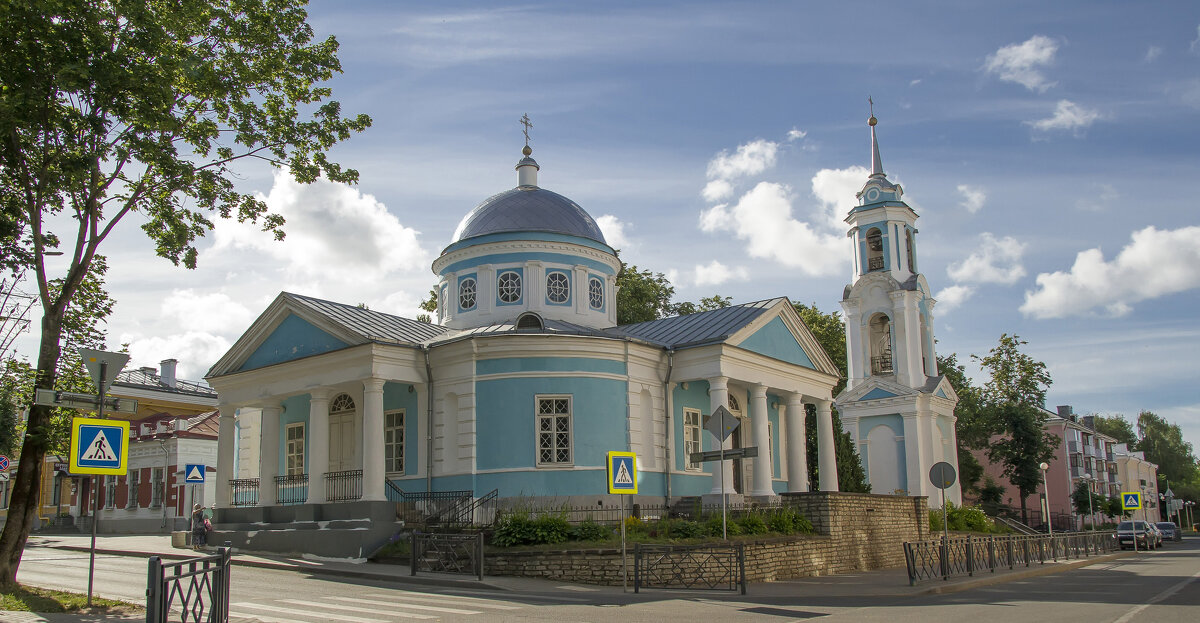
721 424
716 455
83 402
1131 500
622 480
3 463
942 476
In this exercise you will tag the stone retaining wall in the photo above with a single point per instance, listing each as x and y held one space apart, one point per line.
856 532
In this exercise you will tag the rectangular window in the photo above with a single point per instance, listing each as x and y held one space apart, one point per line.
393 441
156 487
554 430
110 492
294 450
134 475
691 437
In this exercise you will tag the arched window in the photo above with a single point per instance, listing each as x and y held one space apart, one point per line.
558 287
874 249
881 344
595 293
529 322
733 404
342 403
466 293
509 287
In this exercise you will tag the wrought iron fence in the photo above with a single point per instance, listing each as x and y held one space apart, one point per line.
344 486
291 489
243 492
467 511
196 589
447 553
707 567
943 558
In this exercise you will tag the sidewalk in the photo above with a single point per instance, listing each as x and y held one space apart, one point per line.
879 583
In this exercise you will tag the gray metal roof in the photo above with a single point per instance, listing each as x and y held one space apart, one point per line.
696 329
550 327
529 209
148 378
371 325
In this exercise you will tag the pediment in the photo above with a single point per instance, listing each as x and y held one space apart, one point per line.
781 334
876 388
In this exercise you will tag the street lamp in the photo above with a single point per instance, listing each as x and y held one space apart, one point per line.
1046 493
1091 513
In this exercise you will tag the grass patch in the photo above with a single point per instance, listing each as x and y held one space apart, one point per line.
33 599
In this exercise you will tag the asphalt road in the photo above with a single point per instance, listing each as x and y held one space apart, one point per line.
1157 586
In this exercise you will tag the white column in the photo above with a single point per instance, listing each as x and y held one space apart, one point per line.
317 444
372 441
762 438
268 453
718 396
535 286
226 447
485 288
797 450
826 452
914 462
855 366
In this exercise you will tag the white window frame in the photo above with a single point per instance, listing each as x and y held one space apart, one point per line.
555 279
595 293
468 288
110 492
293 449
157 493
132 481
390 443
693 440
555 418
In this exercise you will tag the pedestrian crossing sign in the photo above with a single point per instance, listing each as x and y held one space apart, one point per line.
622 472
1131 500
99 446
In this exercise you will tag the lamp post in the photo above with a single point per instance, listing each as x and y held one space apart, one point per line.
1046 493
1091 513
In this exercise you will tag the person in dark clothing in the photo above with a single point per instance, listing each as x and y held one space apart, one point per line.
199 528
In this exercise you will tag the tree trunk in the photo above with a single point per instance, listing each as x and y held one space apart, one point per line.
26 491
1024 512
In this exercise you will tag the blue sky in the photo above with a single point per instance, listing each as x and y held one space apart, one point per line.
1048 148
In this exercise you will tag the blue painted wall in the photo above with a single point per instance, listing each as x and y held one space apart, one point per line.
292 339
895 422
295 409
694 397
518 259
548 364
775 340
397 396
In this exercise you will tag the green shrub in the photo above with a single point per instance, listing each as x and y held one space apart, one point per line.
753 524
789 521
712 526
519 529
591 531
681 529
963 519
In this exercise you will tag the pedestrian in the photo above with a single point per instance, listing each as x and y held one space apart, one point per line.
199 527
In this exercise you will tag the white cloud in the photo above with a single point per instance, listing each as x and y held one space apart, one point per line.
716 273
953 297
1067 116
996 260
214 312
333 232
1022 62
836 189
796 134
750 159
973 197
1103 198
1156 263
914 82
717 190
763 218
1152 53
191 348
614 232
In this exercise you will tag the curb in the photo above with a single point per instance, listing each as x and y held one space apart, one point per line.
1032 572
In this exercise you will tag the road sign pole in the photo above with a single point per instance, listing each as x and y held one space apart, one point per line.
96 485
624 563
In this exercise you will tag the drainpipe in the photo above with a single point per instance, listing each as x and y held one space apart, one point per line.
162 443
429 423
667 410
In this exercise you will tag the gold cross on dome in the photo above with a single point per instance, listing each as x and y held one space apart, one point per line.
528 124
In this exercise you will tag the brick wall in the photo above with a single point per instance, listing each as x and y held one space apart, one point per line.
855 532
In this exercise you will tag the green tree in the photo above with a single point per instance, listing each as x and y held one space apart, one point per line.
147 107
1163 443
1117 427
1011 407
642 295
1087 501
971 429
707 303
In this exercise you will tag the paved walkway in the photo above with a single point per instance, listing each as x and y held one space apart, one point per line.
880 583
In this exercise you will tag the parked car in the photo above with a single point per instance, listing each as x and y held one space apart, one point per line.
1135 534
1170 531
1156 534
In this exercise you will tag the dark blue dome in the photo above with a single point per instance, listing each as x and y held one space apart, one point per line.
529 209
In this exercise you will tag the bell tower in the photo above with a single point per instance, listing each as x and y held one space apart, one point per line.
896 406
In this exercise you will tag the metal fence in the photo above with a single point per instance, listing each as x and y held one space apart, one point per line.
613 514
190 591
447 553
941 558
695 567
243 492
291 489
344 486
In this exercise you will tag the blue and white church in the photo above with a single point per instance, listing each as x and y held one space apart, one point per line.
896 406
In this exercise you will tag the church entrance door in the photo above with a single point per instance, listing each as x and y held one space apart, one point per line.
342 442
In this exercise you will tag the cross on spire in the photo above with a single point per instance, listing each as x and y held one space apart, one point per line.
528 124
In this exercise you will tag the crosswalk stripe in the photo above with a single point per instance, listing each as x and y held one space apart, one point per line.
395 604
318 604
392 602
327 615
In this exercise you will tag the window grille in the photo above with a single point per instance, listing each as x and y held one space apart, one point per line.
509 287
595 293
558 287
294 449
466 294
554 430
393 441
691 437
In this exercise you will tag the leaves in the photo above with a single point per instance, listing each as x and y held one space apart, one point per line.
1163 443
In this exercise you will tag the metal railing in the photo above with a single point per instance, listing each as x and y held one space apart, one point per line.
197 590
462 512
940 558
344 486
881 365
447 553
243 492
291 489
710 567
